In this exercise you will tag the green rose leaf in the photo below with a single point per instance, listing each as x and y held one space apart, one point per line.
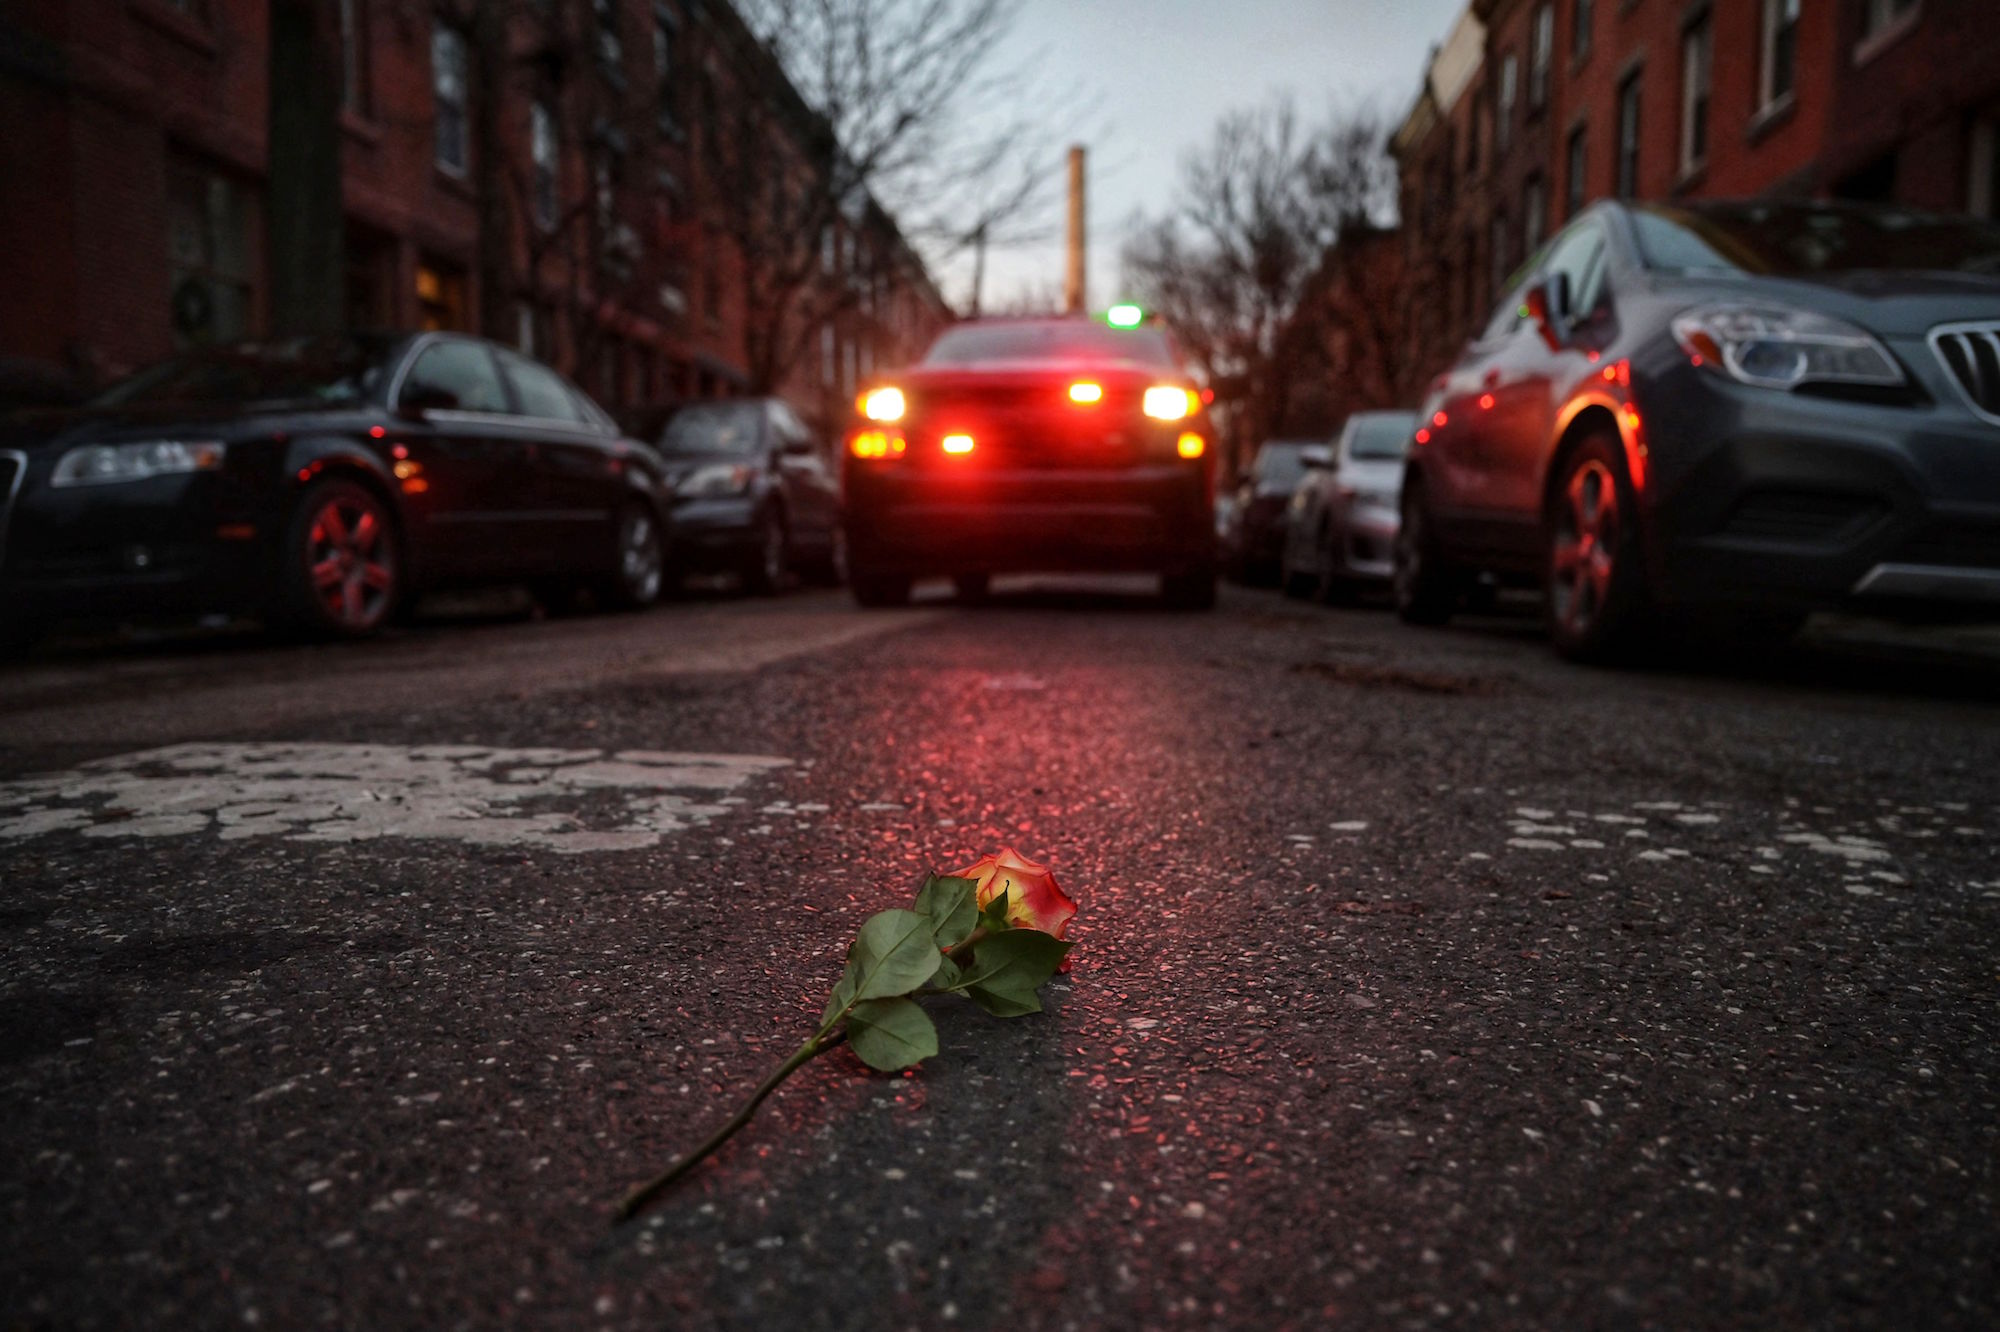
1009 968
894 954
953 908
891 1034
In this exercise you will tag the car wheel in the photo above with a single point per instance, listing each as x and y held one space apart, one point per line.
1193 591
769 556
1426 588
830 570
641 571
343 569
1597 604
875 589
972 589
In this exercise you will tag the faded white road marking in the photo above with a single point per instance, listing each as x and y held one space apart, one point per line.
566 800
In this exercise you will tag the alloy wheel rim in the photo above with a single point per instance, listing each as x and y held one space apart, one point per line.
640 559
1583 558
350 562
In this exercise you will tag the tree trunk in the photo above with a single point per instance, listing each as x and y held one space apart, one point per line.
307 227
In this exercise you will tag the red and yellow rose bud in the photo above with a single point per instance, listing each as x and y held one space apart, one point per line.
1034 900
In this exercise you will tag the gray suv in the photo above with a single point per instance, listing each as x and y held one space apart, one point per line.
1746 410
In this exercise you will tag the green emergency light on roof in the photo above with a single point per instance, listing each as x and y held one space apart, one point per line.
1125 316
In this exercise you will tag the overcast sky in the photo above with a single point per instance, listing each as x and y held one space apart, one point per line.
1160 73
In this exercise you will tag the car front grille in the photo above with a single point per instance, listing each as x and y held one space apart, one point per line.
1971 353
13 467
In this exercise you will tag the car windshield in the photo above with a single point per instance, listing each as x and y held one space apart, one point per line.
1381 438
1793 240
331 371
1280 465
715 427
1051 340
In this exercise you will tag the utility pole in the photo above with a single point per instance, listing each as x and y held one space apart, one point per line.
1075 289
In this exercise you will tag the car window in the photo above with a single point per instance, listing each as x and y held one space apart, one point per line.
540 390
1579 254
1790 239
334 369
463 369
1279 465
1384 438
1050 340
715 427
1507 317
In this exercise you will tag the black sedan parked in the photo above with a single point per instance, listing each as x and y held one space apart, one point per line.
752 495
1736 413
322 482
1253 542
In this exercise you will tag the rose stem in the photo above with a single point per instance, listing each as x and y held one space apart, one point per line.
646 1192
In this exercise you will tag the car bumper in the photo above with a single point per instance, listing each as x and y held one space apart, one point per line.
1779 500
1145 519
713 535
1364 543
168 546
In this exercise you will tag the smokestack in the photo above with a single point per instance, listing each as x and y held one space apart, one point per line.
1075 290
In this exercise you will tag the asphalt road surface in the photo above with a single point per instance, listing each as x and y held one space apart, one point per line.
1421 981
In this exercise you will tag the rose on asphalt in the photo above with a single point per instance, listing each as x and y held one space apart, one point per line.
1034 900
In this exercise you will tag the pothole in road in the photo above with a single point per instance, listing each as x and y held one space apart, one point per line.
564 800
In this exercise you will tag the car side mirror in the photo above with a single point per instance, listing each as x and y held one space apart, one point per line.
1318 462
418 399
799 447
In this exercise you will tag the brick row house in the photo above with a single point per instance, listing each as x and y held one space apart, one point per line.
1532 109
531 169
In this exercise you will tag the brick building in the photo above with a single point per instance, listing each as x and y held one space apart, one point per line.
1578 100
133 213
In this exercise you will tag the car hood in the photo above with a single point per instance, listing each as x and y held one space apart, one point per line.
1895 304
50 430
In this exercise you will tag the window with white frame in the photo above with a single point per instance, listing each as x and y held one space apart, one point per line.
1503 110
1541 55
1777 66
1878 16
542 153
1697 50
448 93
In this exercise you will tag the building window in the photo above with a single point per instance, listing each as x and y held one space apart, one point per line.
1503 112
829 356
1534 214
1628 136
1982 177
610 48
448 90
440 297
1778 65
354 56
1541 54
1579 31
524 327
850 367
1878 16
208 238
1576 160
1697 44
542 152
663 67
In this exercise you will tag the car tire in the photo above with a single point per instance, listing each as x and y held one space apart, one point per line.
343 569
636 580
830 570
1191 591
1426 588
973 589
769 556
877 590
1597 604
